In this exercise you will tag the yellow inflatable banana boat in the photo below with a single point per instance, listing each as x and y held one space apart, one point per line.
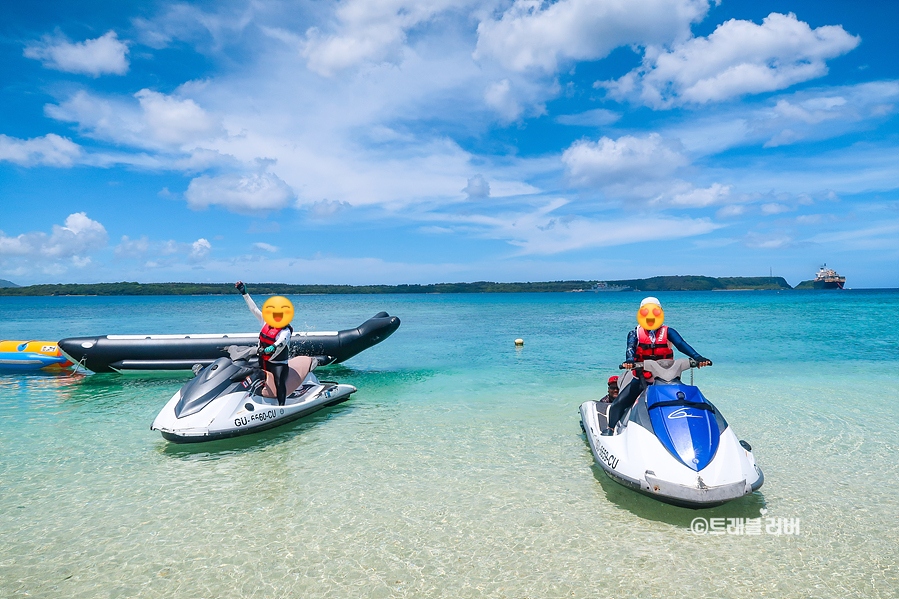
32 355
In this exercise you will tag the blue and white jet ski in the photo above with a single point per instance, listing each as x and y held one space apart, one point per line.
672 444
233 397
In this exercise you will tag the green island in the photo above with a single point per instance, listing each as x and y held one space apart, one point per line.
668 283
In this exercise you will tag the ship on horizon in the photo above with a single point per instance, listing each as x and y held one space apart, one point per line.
827 278
603 286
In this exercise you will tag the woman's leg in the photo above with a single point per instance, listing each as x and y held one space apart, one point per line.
625 399
279 374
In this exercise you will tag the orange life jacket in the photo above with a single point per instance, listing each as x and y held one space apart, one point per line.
647 350
267 337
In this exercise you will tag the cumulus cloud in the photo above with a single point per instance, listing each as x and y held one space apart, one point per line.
173 120
199 249
500 97
366 31
615 161
246 194
155 121
101 56
265 247
162 253
49 150
67 245
477 188
738 58
324 209
132 248
533 34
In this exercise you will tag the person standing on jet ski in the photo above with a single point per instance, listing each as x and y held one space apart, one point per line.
274 339
648 341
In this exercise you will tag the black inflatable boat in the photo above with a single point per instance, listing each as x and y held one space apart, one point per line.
124 353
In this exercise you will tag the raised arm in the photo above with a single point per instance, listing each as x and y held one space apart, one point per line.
250 303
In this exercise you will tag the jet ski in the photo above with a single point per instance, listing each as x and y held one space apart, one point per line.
672 444
233 397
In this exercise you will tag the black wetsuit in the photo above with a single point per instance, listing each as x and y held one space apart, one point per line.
277 364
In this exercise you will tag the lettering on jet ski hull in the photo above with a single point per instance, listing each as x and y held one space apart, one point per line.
256 416
607 457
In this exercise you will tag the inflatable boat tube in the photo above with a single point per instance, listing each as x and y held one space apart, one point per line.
127 353
31 355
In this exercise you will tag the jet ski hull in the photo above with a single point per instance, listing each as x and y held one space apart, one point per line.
140 353
637 459
230 403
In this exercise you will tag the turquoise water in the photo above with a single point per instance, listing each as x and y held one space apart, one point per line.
459 468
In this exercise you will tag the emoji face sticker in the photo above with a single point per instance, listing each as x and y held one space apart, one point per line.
650 316
277 312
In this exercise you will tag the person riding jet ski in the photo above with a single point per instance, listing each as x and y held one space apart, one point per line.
274 338
650 340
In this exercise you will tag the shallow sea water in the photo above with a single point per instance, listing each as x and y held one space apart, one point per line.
459 468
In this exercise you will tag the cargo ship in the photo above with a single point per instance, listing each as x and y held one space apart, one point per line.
827 278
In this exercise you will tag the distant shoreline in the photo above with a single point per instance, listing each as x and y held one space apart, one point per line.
653 284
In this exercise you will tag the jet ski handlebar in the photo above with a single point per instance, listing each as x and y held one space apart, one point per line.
665 368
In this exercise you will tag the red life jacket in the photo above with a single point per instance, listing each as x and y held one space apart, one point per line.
267 337
647 350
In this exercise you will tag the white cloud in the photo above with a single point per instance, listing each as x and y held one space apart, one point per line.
246 194
49 150
477 188
609 162
544 231
590 118
730 211
774 208
162 254
67 245
155 121
265 247
700 198
738 58
499 96
173 120
132 248
882 236
790 118
325 209
184 22
199 249
104 55
366 31
533 34
768 241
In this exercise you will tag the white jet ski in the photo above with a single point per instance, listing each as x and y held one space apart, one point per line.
233 397
672 444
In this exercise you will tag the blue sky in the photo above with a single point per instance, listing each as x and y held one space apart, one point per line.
398 141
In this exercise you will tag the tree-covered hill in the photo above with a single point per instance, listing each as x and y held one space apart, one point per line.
672 283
